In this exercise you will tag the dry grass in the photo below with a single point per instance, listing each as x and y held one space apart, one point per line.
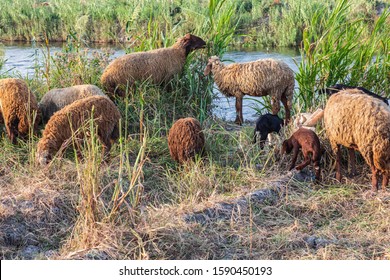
48 213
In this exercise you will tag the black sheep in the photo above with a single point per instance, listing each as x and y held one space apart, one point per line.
266 124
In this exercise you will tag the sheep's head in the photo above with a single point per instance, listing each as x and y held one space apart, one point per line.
286 147
44 152
191 42
43 157
214 60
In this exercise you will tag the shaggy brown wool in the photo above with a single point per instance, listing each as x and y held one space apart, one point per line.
255 78
60 126
156 66
58 98
185 139
360 122
308 141
18 106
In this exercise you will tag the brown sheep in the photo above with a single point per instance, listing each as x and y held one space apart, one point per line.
67 121
308 141
58 98
157 66
18 106
360 122
185 139
256 78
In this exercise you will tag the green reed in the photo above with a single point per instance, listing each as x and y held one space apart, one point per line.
345 51
259 23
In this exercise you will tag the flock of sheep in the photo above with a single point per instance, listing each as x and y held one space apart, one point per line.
354 117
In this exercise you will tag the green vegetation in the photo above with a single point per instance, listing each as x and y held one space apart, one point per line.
259 22
133 206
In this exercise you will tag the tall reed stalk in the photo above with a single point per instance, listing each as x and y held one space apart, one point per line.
344 51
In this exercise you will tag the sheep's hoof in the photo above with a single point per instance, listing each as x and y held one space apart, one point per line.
238 121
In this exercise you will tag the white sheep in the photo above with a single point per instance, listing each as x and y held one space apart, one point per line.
256 78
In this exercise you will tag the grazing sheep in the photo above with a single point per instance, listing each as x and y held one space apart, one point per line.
18 106
338 87
306 140
158 66
185 139
256 78
265 125
58 98
360 122
71 118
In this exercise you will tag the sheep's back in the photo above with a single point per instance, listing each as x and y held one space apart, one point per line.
16 99
157 66
71 117
58 98
185 139
359 121
256 78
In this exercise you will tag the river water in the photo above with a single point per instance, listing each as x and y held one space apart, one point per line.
22 60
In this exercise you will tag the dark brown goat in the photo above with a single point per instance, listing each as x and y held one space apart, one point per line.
308 141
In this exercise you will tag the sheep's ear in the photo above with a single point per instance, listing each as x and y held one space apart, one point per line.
207 70
187 36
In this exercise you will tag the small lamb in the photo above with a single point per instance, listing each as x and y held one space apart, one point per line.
265 125
309 143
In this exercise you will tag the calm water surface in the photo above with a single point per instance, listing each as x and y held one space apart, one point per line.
23 60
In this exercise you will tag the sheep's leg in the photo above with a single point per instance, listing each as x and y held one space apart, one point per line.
352 160
338 163
385 182
374 179
294 157
239 118
263 138
255 136
317 169
275 103
305 163
286 107
12 129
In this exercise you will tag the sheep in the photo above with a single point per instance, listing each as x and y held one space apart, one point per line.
255 78
265 125
308 141
58 98
185 140
68 122
18 106
360 122
157 66
338 87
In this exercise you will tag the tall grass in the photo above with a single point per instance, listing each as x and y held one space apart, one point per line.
260 23
345 51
